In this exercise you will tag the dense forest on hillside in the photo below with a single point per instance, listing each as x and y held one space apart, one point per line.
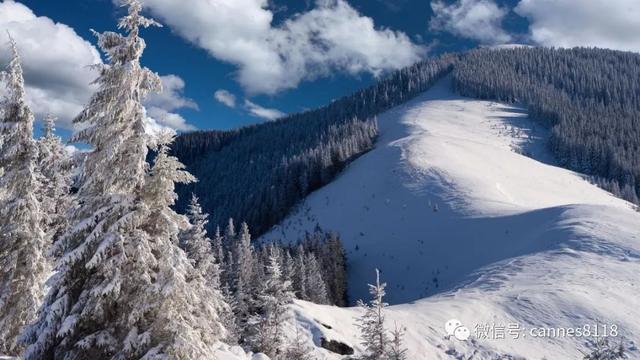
256 174
590 98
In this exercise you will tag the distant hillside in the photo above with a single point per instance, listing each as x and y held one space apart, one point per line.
590 98
462 225
258 173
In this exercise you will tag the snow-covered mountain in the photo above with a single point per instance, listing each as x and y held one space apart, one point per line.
463 211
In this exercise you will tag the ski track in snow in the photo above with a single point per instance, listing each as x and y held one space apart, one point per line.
463 225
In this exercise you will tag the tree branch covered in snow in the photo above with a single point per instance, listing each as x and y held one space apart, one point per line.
122 287
23 266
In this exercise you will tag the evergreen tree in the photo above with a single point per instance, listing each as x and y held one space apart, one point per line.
396 346
229 235
197 245
227 277
602 349
266 328
315 267
315 285
228 318
371 324
188 304
216 243
334 264
55 167
122 288
243 270
23 266
300 274
288 266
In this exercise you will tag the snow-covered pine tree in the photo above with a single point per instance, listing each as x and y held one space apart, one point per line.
287 266
123 289
261 257
243 254
315 284
266 328
197 245
216 243
371 324
227 276
333 263
228 318
397 350
229 235
602 349
23 266
299 274
182 306
55 167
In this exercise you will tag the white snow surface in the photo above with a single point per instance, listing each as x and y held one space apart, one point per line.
464 226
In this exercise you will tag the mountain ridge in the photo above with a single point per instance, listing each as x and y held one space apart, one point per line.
562 253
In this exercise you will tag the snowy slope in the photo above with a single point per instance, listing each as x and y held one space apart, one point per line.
452 213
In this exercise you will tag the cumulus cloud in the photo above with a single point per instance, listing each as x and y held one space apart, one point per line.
168 119
270 58
55 61
262 112
610 24
480 20
162 107
225 97
171 98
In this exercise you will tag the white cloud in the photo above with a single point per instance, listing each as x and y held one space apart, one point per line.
171 98
611 24
261 112
225 97
480 20
162 107
55 61
168 119
332 36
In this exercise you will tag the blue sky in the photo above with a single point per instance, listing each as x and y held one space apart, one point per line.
283 56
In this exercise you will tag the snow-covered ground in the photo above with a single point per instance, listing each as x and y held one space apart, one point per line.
462 225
